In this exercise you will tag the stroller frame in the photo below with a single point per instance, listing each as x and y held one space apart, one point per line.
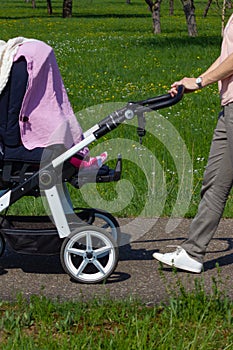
88 253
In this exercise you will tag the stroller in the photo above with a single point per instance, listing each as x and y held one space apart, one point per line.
88 251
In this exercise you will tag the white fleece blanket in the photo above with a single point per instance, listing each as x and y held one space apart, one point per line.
7 52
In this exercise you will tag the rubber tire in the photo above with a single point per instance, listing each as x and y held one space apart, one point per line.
77 240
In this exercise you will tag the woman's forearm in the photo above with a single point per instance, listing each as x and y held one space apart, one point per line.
218 71
213 66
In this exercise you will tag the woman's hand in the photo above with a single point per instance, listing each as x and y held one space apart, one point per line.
188 83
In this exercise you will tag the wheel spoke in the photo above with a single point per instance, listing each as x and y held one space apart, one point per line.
81 267
103 250
99 266
88 242
76 251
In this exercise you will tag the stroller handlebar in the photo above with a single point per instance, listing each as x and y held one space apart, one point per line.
133 109
162 101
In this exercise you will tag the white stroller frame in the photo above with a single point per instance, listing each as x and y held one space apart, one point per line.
88 253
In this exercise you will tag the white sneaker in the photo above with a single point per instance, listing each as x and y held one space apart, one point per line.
180 259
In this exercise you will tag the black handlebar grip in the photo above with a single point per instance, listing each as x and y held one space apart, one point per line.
162 101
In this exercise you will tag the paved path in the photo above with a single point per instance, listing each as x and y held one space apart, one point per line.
137 273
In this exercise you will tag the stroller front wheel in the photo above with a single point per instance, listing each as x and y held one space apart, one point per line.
89 255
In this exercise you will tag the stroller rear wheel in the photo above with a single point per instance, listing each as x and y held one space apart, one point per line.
102 219
108 222
89 254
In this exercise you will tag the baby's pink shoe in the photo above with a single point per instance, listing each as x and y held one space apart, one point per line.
95 162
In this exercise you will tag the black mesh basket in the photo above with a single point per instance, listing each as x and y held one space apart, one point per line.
31 235
36 242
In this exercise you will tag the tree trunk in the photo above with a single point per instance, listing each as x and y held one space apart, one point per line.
229 4
156 18
207 8
189 11
223 15
155 10
171 7
67 8
49 7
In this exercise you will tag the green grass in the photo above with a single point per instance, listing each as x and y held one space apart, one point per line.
188 321
107 55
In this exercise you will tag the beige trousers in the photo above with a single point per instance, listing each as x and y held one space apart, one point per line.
217 183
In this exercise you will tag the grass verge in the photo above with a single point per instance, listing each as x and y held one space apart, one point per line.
190 320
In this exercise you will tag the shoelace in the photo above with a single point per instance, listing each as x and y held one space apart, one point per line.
178 248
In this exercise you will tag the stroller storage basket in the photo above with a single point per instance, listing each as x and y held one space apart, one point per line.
40 239
36 242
